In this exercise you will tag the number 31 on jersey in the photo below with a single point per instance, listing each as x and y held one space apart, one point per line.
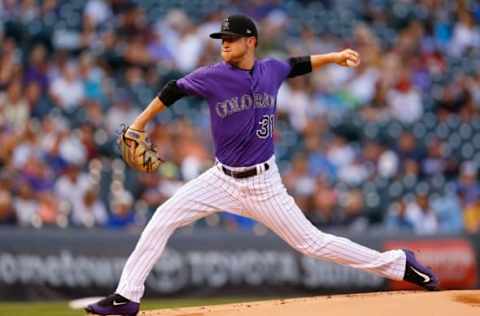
266 126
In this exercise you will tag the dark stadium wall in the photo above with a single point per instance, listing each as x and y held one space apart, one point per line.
53 264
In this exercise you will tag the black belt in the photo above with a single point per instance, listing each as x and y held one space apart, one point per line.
243 174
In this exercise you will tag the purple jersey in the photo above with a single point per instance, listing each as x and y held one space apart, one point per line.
242 107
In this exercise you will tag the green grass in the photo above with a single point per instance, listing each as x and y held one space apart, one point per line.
62 309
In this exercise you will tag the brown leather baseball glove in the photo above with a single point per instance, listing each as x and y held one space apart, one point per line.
137 151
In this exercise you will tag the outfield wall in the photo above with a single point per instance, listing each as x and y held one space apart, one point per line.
52 264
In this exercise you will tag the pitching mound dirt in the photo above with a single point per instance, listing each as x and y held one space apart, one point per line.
447 303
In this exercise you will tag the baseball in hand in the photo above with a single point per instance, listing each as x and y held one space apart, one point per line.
351 63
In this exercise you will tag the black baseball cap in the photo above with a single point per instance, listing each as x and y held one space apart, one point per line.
236 26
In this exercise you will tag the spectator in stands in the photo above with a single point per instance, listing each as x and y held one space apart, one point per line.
9 62
388 164
28 11
352 215
318 162
371 153
93 77
98 11
89 211
137 52
193 157
467 185
137 86
8 141
471 217
92 114
38 103
39 176
422 215
465 34
49 210
377 110
448 211
340 152
362 85
355 172
411 169
122 111
404 101
122 215
298 181
7 209
54 130
37 69
87 138
188 46
397 219
27 145
434 163
67 91
323 212
71 187
473 84
453 99
88 37
408 148
295 101
26 204
14 109
151 191
159 51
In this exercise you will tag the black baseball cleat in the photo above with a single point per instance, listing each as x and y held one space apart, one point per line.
114 304
418 274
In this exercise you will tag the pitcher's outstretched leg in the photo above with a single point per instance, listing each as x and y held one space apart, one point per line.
274 207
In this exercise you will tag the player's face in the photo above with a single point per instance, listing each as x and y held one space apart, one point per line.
235 48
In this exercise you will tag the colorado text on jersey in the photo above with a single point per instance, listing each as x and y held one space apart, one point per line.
232 105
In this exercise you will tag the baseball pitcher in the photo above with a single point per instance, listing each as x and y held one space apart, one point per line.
241 92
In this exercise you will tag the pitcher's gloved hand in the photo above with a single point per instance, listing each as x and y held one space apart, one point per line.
137 151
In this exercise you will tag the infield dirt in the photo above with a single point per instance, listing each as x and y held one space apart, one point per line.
412 303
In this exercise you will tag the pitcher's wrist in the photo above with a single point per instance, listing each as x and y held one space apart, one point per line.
137 126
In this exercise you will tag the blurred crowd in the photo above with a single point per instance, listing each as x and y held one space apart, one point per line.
392 144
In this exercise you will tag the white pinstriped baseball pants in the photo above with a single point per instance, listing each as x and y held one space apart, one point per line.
263 198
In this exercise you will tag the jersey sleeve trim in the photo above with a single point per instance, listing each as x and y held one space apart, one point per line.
171 93
299 66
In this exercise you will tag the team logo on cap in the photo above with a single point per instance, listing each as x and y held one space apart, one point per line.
225 24
249 31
